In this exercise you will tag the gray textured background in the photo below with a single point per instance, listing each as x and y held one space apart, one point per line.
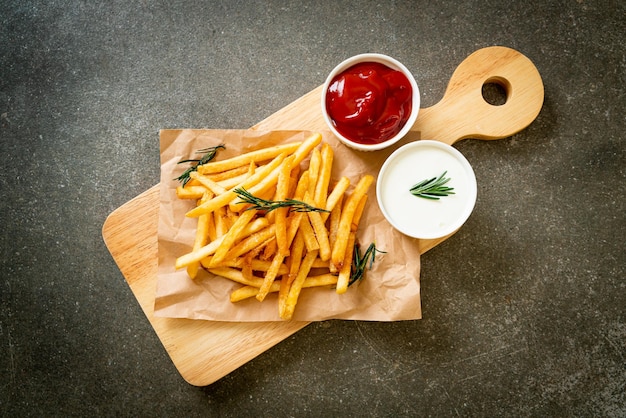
524 308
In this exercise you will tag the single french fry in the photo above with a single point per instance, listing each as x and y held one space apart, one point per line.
282 190
263 154
302 186
344 274
233 182
358 213
293 222
232 235
270 276
247 292
321 233
246 266
314 168
211 231
333 223
228 174
310 241
294 179
221 221
323 178
202 236
306 147
336 196
226 197
296 286
190 192
236 276
207 182
347 213
333 228
293 263
183 261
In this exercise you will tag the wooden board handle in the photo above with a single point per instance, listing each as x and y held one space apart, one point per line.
464 113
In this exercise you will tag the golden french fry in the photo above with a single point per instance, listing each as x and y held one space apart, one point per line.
190 192
246 266
347 213
296 286
228 174
282 190
247 292
207 182
344 274
236 276
233 182
321 233
358 213
323 178
310 240
336 196
333 227
202 236
270 276
314 168
294 260
263 154
221 221
306 147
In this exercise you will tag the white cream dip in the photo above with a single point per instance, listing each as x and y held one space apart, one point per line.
415 216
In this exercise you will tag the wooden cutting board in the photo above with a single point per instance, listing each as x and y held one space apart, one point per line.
205 351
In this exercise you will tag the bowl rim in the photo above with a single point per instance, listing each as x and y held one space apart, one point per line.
412 147
390 62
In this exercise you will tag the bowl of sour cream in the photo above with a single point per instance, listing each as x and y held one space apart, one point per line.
370 101
414 212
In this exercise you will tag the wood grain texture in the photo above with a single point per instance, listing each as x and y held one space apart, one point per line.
205 351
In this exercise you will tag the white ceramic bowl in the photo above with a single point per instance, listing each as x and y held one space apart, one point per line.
415 216
389 62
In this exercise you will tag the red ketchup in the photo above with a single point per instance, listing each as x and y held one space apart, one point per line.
369 102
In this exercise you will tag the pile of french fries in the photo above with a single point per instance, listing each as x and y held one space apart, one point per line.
281 250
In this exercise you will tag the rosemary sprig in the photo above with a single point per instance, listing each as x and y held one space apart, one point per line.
360 263
270 205
209 154
433 188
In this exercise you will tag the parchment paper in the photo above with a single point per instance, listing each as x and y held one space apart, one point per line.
389 292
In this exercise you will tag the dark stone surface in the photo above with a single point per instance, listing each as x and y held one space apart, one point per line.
524 308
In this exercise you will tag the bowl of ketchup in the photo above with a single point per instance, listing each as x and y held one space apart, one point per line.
370 101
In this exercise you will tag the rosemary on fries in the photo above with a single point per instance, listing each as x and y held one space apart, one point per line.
209 154
270 205
360 263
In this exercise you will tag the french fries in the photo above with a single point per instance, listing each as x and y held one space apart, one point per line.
292 229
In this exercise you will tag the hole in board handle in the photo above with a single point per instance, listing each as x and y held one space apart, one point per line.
496 91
